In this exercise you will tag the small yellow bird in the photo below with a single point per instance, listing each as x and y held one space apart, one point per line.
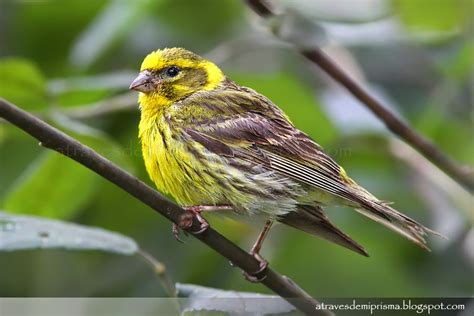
217 146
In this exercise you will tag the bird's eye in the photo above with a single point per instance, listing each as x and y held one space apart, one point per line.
172 71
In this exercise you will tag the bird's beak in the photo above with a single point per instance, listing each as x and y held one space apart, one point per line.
143 82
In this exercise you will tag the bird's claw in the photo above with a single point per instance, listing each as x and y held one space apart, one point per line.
204 226
196 211
257 277
186 222
176 232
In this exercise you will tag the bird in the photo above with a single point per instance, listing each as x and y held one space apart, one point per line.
217 146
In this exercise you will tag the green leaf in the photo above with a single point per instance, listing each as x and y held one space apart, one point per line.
97 140
46 30
202 300
433 15
56 186
52 186
460 65
17 150
22 83
31 232
215 17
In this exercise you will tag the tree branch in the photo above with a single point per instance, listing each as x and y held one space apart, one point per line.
461 174
54 139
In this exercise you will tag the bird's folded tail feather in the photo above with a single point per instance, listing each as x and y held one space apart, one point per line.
312 220
384 214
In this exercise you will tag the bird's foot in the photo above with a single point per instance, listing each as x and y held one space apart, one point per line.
259 275
186 220
196 212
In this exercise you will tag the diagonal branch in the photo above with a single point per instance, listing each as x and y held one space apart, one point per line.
461 174
54 139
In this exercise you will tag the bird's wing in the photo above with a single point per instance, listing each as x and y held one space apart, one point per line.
248 123
238 122
244 124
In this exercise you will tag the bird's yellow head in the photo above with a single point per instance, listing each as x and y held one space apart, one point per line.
171 74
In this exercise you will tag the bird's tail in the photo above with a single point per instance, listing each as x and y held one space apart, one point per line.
384 214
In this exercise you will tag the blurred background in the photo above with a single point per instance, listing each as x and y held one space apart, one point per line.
72 64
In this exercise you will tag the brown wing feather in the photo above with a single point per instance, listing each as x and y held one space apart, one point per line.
311 219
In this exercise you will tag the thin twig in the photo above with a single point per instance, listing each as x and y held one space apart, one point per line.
464 175
456 193
160 270
122 102
54 139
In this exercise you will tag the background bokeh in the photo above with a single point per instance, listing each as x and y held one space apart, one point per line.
71 63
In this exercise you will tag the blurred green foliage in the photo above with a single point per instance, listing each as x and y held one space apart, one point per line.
25 84
434 15
47 47
30 195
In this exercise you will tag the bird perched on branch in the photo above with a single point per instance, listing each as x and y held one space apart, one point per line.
217 146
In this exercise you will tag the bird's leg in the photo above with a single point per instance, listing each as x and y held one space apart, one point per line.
255 252
186 220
